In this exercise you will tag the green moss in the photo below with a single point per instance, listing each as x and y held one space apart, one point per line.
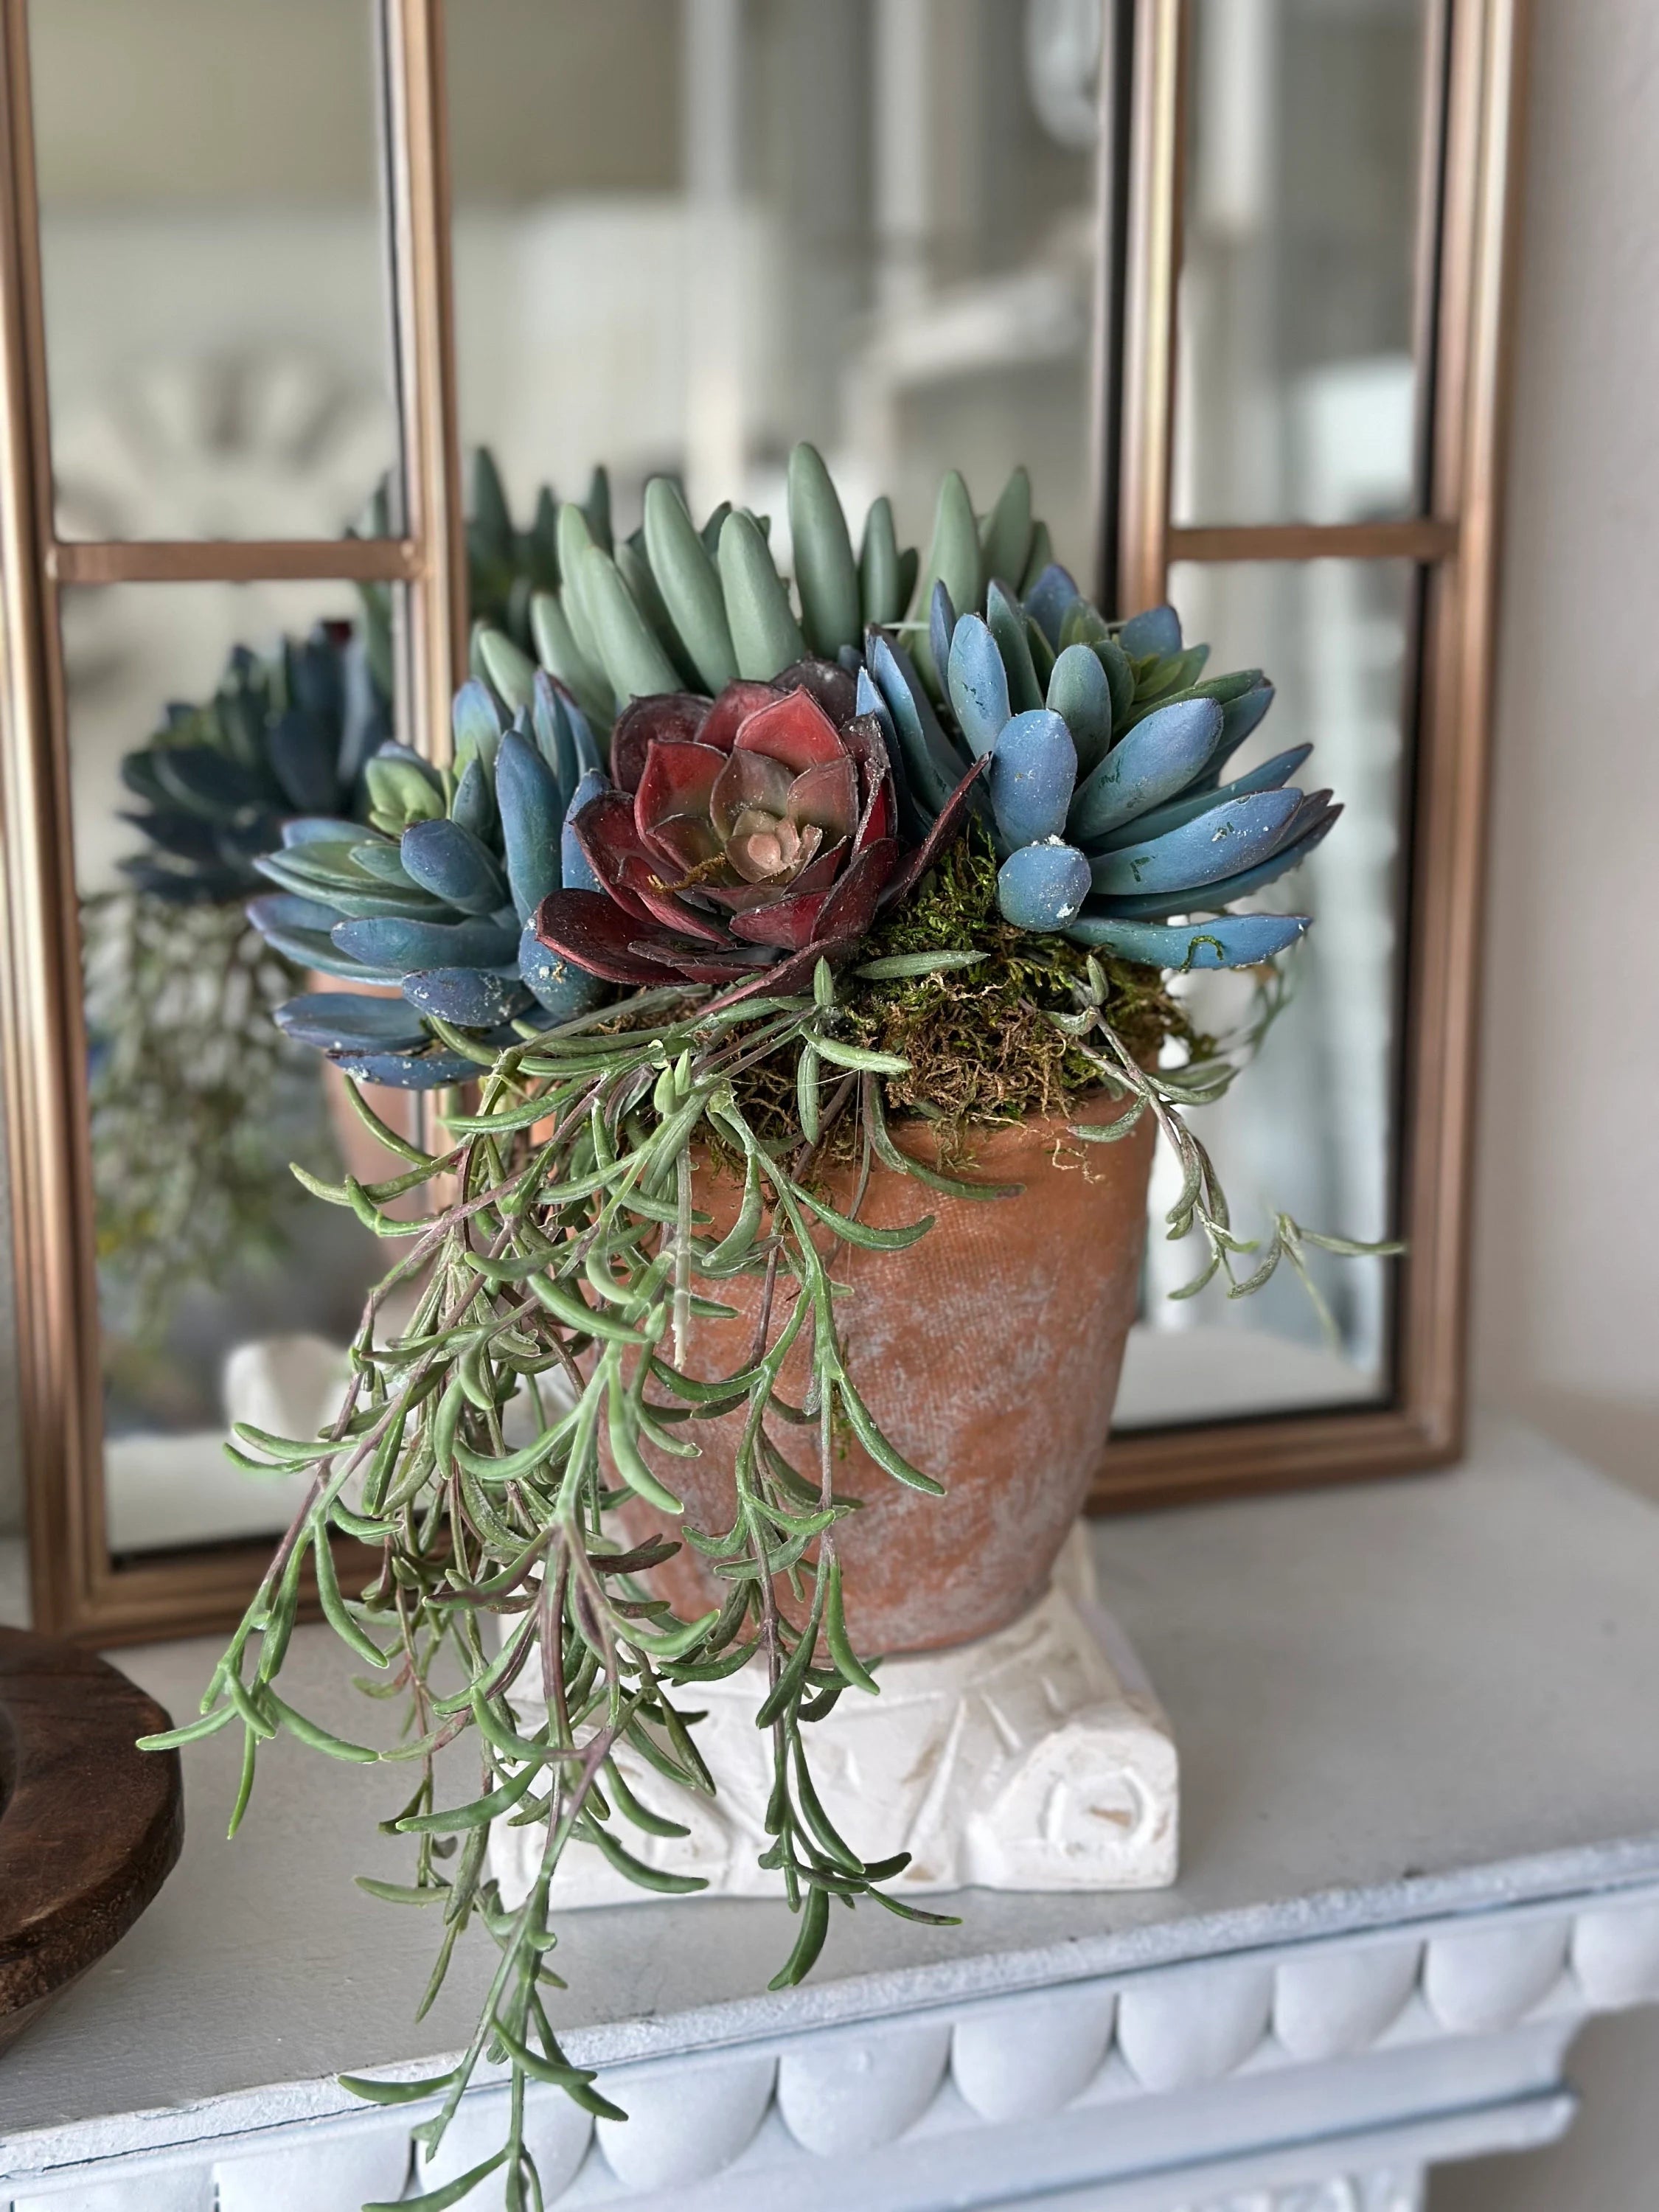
978 1040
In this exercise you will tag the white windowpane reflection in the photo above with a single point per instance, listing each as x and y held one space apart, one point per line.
1310 1127
1296 387
213 262
738 222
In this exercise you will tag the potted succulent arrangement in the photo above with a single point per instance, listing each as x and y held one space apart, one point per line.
794 968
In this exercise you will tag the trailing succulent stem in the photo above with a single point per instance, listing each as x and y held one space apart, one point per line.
559 1271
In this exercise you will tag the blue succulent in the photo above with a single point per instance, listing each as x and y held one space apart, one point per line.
431 899
1104 796
280 736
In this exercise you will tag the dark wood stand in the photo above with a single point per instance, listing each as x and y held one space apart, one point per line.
90 1827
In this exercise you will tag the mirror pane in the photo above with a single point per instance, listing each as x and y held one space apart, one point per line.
871 226
226 1293
214 265
1311 1127
1297 392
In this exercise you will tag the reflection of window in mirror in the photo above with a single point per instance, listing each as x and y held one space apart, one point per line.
870 226
213 265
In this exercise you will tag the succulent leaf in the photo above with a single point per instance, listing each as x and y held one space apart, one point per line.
1240 718
881 587
1158 758
391 943
1042 886
489 516
1156 630
304 757
930 763
558 986
634 566
596 508
1050 599
1270 776
1229 839
826 574
474 803
1210 898
977 683
576 871
1229 941
689 584
476 723
468 997
512 671
453 865
1006 539
532 815
1080 694
941 621
953 560
765 636
556 644
289 910
632 659
395 1070
1041 553
1033 770
350 1021
1006 623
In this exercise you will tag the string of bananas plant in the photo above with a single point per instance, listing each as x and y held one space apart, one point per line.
777 911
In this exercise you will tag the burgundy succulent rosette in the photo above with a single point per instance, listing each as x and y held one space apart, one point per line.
744 838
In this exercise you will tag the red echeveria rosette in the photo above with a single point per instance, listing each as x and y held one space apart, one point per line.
750 836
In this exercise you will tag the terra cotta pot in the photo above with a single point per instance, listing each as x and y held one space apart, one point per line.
987 1352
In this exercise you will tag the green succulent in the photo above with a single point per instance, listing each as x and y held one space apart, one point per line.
683 606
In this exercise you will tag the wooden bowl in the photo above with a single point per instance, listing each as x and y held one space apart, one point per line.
90 1827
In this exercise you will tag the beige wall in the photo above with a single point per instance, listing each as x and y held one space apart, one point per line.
1567 1245
1567 1249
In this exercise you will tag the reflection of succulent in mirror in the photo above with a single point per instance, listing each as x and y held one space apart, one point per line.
196 1104
194 1118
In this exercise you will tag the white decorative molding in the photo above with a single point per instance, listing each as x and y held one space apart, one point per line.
1036 1758
1320 2077
1398 2190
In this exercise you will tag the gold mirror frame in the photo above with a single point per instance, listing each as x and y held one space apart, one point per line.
77 1589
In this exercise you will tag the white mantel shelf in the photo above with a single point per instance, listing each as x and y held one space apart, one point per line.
1420 1846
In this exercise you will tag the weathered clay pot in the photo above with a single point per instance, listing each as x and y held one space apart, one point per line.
987 1352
